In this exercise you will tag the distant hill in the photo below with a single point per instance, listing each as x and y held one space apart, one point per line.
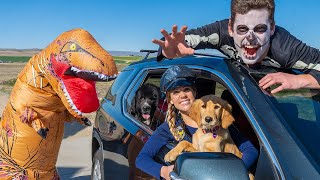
25 53
18 52
31 52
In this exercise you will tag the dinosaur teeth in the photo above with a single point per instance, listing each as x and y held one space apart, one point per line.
89 75
103 77
75 69
69 100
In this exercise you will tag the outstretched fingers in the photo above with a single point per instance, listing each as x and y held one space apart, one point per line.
159 42
184 29
165 34
174 30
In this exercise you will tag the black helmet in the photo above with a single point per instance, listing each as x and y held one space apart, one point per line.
176 76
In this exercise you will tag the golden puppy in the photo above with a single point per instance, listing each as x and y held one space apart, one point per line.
213 116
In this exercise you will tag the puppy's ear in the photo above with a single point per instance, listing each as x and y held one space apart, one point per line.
226 117
194 113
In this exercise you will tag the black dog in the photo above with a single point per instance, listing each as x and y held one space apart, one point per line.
145 103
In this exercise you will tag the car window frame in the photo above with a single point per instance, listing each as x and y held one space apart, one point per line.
136 83
251 115
219 77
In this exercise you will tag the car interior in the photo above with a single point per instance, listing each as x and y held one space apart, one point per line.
207 83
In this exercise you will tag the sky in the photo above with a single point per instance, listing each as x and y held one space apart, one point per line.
124 25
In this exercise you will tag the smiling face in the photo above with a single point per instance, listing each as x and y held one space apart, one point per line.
182 98
251 33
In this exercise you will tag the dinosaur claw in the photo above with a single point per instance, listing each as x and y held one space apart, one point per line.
43 132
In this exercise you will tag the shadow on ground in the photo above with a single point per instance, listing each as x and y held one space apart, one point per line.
115 171
69 173
72 128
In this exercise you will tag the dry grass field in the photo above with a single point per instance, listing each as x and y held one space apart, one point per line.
8 75
9 72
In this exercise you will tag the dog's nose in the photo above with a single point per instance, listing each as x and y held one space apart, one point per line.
208 119
146 108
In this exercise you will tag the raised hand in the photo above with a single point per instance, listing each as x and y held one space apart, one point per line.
174 44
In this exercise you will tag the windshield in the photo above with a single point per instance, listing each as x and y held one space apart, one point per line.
301 111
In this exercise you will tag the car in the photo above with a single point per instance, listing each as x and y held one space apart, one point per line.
285 127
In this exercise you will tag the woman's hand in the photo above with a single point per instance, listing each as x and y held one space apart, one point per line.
165 171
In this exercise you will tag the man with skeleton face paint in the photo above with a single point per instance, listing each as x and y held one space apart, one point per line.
250 36
251 33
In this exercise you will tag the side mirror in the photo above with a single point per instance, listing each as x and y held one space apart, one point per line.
208 165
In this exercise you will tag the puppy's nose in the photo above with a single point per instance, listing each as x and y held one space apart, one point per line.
208 119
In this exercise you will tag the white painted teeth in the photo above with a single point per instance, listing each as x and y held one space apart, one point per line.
250 47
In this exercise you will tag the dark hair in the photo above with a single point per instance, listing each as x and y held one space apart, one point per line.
244 6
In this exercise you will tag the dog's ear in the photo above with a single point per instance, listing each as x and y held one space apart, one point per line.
194 113
132 110
226 117
158 94
135 104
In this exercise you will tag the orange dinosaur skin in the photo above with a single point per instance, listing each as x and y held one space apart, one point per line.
48 92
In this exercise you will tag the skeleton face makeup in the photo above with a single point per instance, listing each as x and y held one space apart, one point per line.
251 33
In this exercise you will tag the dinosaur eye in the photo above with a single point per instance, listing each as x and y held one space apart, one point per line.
73 47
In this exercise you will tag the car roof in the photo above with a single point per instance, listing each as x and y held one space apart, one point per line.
211 62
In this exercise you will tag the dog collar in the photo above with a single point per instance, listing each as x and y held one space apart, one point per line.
213 131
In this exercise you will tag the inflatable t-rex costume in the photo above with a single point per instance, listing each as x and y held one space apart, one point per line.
56 85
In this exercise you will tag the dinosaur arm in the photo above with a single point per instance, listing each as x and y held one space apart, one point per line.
82 120
31 117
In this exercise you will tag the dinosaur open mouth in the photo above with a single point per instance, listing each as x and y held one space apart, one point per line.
88 75
78 86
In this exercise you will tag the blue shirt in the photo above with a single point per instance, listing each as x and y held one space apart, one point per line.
162 135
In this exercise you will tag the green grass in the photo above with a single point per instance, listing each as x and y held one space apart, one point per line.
128 58
121 61
9 82
14 58
118 59
6 86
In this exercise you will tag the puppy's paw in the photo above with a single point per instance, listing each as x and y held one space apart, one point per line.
171 156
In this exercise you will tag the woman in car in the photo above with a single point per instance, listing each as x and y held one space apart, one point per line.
178 84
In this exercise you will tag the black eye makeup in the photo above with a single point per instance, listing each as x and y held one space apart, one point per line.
260 28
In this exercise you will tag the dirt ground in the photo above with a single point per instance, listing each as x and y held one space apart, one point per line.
8 71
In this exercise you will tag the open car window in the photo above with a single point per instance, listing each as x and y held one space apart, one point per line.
300 110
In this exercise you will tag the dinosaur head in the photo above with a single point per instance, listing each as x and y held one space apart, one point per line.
74 61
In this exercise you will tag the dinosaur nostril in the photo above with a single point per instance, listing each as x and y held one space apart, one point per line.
208 119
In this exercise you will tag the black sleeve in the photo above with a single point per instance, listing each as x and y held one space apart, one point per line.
291 52
208 36
211 36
